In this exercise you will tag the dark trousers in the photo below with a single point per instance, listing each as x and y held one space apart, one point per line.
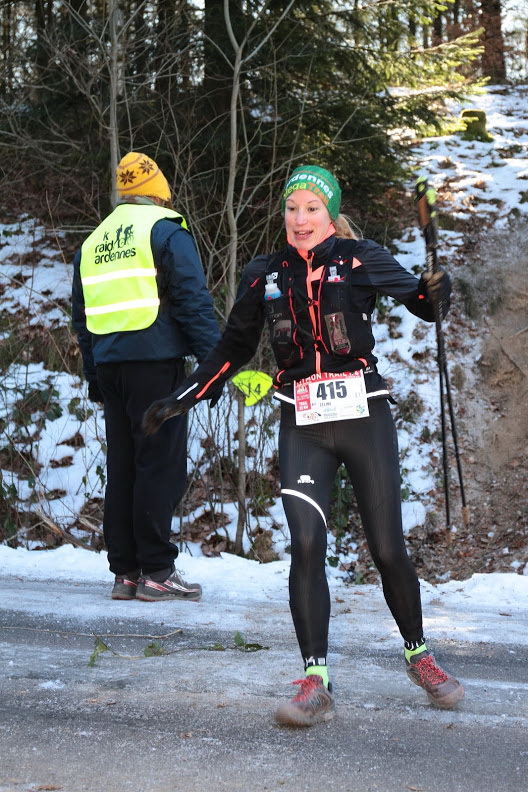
309 459
146 475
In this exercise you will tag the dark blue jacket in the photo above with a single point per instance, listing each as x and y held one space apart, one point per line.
185 324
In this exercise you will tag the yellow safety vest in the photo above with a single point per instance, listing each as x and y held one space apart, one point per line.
118 274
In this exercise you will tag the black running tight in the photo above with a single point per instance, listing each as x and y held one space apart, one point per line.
309 459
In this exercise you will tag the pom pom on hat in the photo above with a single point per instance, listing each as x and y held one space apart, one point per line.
316 180
138 174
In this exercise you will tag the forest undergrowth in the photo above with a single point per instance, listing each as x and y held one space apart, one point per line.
489 314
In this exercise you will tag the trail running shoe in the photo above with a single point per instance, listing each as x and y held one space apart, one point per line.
173 588
313 704
125 586
442 690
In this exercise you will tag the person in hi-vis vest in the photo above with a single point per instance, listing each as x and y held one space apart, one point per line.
140 306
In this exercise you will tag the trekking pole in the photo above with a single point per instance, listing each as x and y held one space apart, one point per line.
428 219
465 508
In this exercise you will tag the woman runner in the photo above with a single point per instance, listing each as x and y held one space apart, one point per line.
318 295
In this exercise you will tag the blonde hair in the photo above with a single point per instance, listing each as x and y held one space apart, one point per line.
345 228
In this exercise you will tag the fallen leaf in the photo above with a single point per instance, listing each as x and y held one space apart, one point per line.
46 788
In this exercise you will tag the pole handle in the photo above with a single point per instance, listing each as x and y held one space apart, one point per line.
425 199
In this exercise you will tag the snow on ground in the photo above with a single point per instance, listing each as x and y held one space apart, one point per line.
37 289
245 595
481 177
485 177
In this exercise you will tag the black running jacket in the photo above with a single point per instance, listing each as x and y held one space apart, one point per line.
318 310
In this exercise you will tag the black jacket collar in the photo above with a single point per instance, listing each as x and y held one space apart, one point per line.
318 255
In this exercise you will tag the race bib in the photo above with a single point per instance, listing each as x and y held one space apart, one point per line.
330 397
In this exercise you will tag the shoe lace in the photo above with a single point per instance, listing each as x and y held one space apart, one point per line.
307 686
430 672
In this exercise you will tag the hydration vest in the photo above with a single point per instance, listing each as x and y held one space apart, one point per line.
343 331
118 273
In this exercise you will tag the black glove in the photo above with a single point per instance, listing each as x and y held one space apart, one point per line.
160 411
177 403
215 396
94 393
437 286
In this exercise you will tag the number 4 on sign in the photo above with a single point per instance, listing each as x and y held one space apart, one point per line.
253 384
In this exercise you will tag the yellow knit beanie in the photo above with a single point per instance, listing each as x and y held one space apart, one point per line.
138 174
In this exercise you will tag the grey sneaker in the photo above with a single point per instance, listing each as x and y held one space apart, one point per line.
172 588
443 690
313 704
125 586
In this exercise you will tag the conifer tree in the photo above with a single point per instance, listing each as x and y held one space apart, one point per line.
333 82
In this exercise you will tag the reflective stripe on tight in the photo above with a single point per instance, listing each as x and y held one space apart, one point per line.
306 498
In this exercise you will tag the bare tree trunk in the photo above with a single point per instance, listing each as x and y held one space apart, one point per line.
41 55
231 271
437 29
6 75
412 28
238 49
241 489
217 77
233 159
113 132
493 63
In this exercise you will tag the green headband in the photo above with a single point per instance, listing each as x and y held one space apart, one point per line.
316 180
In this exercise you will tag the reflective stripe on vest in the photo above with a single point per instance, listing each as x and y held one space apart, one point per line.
117 270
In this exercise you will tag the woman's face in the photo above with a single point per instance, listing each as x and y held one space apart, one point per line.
306 219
